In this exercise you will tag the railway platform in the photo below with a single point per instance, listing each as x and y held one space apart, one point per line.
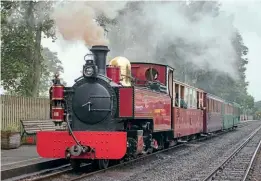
24 160
24 155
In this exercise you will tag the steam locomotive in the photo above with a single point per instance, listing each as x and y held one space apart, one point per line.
122 110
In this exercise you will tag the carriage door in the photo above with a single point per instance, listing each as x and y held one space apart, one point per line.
170 88
170 82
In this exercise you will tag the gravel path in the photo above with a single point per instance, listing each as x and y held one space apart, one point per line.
184 163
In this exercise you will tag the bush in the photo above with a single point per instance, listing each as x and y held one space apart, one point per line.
11 128
10 137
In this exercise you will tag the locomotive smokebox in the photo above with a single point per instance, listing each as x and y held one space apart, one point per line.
100 54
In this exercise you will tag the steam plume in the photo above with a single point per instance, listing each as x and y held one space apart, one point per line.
75 20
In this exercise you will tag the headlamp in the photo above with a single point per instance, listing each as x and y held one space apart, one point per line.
88 71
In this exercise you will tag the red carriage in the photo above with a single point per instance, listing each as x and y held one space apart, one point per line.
120 111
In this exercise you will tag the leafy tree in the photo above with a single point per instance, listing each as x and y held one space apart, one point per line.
257 110
50 65
23 65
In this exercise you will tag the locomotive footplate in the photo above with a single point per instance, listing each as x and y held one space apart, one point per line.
93 144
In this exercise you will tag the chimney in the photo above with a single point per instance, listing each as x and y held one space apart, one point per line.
100 54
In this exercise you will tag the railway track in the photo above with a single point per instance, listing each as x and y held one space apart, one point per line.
66 172
85 171
237 165
252 172
255 167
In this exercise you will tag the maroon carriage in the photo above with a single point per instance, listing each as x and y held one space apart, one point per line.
213 120
188 110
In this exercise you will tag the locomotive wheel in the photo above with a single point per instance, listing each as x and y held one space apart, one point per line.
104 163
75 164
101 164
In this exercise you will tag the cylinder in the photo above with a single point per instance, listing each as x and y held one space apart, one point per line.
57 92
100 54
57 114
114 73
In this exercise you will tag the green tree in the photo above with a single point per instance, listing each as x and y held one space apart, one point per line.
257 110
23 66
50 65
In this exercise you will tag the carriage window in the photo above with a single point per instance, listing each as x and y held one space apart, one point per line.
214 106
170 83
151 74
177 95
186 97
227 109
194 98
209 105
190 98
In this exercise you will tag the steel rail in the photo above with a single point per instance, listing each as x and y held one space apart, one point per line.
142 157
252 161
57 174
45 176
126 163
231 156
39 177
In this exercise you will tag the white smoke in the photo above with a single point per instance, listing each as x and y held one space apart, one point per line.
205 41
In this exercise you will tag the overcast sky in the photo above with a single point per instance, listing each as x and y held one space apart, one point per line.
248 20
247 16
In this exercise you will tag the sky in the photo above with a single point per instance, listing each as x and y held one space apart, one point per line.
247 18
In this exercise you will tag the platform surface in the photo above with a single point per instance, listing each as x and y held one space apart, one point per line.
22 156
